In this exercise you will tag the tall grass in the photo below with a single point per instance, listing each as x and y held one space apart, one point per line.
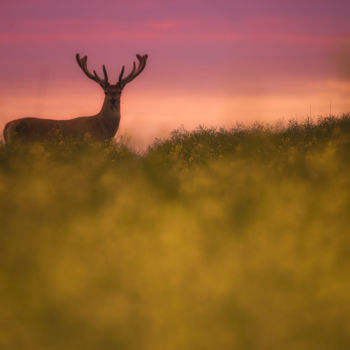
212 239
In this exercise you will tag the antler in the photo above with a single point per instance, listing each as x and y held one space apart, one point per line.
135 71
82 62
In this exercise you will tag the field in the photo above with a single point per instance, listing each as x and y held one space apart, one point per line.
211 239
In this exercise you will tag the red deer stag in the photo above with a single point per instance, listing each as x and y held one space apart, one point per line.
99 127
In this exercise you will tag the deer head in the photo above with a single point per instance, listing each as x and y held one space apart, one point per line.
113 91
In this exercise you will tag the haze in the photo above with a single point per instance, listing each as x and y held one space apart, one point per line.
213 63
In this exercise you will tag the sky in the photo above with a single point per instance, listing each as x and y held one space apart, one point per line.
211 63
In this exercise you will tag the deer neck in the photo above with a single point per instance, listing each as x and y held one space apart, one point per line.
109 115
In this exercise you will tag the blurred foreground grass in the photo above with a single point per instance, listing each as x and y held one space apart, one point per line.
212 239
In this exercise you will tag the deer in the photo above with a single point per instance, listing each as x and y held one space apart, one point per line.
100 127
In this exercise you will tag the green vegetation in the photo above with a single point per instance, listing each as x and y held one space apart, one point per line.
212 239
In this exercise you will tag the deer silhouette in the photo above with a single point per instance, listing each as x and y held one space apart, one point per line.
99 127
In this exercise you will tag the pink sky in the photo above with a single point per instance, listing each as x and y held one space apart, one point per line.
212 63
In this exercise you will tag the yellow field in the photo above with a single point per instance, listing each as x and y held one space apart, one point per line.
213 239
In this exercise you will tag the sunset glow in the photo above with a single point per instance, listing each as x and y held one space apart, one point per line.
210 63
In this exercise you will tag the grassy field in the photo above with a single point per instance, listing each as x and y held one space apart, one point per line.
212 239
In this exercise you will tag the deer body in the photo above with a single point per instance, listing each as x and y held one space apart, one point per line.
99 127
